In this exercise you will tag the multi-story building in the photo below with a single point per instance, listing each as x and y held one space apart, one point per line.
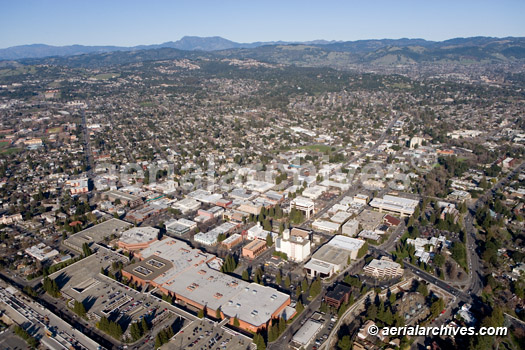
383 268
403 206
295 243
254 249
307 206
138 238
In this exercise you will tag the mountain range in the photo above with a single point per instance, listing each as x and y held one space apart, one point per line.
337 54
189 43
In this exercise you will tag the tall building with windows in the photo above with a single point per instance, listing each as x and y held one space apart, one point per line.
295 243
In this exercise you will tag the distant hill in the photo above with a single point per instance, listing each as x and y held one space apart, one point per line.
190 43
319 53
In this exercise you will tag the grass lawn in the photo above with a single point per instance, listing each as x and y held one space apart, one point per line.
318 148
9 150
54 130
106 76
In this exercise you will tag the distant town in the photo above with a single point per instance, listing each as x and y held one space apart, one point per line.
239 203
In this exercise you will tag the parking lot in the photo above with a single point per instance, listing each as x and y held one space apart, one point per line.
104 297
208 335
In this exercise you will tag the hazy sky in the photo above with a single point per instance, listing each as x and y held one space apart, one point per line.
131 22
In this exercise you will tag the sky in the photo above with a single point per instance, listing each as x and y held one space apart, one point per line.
132 22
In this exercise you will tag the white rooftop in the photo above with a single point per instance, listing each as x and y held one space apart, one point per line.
139 235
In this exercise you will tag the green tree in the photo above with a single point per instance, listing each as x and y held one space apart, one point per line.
79 308
86 249
304 285
299 307
269 240
363 250
422 289
344 343
246 275
236 322
315 288
287 281
258 340
200 314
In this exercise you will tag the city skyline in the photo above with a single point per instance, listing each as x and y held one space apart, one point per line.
118 23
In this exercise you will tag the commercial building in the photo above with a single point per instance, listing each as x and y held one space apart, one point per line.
187 205
78 186
367 234
383 268
340 217
314 192
258 232
333 257
399 205
351 228
96 233
295 243
41 252
204 196
306 334
125 198
325 226
232 241
173 227
148 211
138 238
193 278
211 237
303 204
361 198
338 296
250 208
254 249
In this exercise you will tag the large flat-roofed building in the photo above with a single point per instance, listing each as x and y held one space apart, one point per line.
96 233
351 228
383 268
295 243
148 211
333 256
42 252
186 205
125 198
306 205
314 192
194 279
304 336
325 226
137 238
78 186
400 205
211 237
253 249
257 232
180 227
173 227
